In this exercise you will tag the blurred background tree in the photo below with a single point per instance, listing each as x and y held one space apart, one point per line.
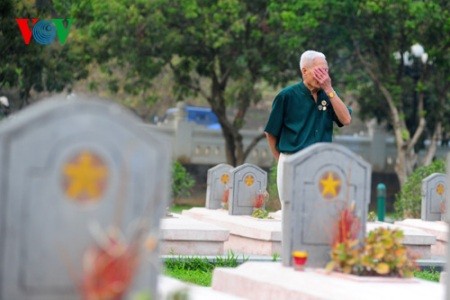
35 68
394 58
389 58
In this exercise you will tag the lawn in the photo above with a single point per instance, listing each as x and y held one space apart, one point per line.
178 208
198 270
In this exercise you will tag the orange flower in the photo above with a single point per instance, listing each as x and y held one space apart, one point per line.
108 272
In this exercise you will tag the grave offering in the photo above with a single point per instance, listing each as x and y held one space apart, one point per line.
321 184
82 185
433 197
247 181
217 184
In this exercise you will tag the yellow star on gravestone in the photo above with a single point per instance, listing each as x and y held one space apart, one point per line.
330 185
440 189
249 180
225 178
85 177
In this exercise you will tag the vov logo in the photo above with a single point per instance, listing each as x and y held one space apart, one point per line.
44 31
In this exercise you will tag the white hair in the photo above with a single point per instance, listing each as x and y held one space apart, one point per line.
308 56
4 101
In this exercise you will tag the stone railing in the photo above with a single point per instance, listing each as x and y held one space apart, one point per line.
198 145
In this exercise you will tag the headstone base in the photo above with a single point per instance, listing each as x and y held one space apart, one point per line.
186 236
170 288
248 235
262 280
438 229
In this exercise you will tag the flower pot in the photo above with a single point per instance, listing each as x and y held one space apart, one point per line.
299 259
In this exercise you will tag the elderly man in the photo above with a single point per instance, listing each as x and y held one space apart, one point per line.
303 114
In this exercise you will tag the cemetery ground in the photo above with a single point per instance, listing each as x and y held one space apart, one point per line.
94 217
199 270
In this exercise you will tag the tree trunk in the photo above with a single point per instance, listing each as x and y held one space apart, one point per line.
433 145
406 157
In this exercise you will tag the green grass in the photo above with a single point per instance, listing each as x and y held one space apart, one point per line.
198 277
430 275
178 208
197 270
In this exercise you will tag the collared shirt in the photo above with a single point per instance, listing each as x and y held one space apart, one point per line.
298 121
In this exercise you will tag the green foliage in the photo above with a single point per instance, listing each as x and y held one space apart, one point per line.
345 257
372 217
182 181
275 256
408 200
178 208
198 270
34 67
430 275
198 277
383 254
260 213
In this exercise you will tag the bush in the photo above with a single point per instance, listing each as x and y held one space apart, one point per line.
409 200
182 181
383 254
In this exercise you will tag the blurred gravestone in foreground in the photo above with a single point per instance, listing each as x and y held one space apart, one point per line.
67 166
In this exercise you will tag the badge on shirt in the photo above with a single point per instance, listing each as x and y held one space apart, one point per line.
322 105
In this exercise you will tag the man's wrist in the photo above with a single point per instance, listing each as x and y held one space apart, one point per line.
330 92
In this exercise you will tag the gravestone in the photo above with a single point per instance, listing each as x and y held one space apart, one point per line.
446 278
247 181
67 165
217 181
318 183
433 197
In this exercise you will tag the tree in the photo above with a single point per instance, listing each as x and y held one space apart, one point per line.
364 38
410 86
230 44
34 67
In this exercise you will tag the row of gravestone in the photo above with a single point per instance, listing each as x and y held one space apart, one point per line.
318 183
235 189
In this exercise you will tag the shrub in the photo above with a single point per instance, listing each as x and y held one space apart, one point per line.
182 181
383 254
408 200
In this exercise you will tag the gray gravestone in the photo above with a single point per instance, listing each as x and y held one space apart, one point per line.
217 181
433 197
446 279
318 183
247 181
67 164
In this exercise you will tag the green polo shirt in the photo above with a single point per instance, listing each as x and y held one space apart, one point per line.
298 121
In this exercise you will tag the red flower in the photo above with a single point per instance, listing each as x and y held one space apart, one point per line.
108 271
225 195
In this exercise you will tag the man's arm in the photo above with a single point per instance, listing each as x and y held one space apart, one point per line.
272 141
340 109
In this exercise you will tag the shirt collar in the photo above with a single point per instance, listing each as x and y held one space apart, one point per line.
306 91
